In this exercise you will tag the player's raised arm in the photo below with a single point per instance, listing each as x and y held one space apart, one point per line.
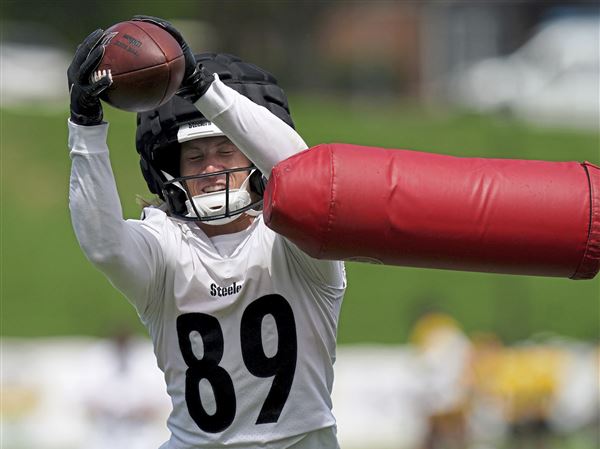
264 136
125 252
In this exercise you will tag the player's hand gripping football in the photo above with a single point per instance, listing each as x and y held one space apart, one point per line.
196 79
84 84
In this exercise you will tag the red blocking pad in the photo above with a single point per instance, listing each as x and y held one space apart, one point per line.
410 208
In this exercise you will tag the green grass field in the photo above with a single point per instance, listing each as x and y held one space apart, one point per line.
48 288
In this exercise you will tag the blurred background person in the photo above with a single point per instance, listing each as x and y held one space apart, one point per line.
121 398
444 354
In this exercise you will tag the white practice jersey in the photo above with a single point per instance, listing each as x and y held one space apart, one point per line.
243 325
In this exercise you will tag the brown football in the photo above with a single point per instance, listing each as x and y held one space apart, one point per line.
146 63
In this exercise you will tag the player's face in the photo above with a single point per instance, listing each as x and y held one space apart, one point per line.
209 155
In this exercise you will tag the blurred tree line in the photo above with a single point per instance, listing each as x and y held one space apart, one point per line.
373 47
75 17
262 31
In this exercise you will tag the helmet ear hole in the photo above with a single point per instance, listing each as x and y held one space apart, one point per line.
258 183
175 198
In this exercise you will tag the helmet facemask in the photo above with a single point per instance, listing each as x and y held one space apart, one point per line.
214 208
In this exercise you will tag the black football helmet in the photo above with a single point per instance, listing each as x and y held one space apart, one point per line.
160 133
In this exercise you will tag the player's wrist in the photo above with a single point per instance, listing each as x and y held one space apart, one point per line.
87 118
86 108
194 87
217 99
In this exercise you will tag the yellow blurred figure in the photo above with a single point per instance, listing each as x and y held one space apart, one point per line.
444 352
526 381
522 382
432 328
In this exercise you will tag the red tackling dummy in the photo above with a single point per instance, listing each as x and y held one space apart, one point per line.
416 209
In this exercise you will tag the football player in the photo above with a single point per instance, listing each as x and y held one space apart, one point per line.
243 323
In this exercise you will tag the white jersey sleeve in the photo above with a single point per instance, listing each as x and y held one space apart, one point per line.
264 138
127 252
